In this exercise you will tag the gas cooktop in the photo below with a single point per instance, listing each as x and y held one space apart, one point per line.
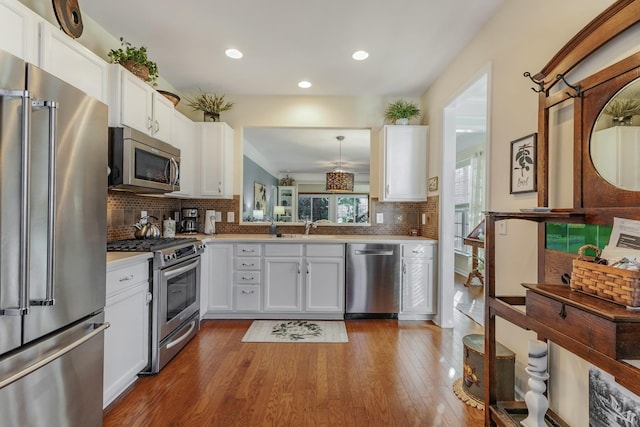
147 245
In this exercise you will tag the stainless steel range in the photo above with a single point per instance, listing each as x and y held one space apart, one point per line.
175 289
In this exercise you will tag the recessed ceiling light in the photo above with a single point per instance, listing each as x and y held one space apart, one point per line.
360 55
304 84
233 53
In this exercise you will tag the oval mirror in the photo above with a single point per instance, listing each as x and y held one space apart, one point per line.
615 139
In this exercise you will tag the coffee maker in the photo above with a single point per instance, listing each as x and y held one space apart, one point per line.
189 223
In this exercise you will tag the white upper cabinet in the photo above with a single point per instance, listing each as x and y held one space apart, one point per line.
186 137
403 163
137 105
216 156
68 60
18 30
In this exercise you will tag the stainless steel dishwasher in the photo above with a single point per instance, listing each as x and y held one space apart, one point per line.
373 275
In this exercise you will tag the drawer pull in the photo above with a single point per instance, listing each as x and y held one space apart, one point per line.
563 313
247 292
126 278
248 250
247 278
247 265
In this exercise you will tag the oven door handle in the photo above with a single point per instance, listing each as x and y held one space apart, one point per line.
170 273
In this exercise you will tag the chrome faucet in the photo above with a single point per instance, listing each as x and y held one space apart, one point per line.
308 224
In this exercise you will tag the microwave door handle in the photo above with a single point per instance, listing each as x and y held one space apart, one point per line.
52 108
25 188
176 174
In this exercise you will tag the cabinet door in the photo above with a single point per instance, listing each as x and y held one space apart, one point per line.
404 163
18 29
417 286
324 285
186 138
282 284
216 172
68 60
220 258
126 341
162 122
135 103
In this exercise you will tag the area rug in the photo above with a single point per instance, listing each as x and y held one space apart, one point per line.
473 310
296 331
467 398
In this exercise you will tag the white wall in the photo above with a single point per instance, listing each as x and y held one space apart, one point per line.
522 36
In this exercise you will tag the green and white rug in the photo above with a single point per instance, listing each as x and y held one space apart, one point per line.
296 331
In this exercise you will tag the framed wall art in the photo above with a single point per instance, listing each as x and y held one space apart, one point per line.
523 164
259 197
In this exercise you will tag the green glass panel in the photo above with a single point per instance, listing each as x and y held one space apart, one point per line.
576 237
604 233
556 237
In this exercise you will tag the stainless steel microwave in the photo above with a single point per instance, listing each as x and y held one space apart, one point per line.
142 164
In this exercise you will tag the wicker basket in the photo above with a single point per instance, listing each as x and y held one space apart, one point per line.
610 283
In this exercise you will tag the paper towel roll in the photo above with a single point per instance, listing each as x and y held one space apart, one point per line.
210 222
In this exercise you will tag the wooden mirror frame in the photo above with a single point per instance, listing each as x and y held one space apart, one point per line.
588 96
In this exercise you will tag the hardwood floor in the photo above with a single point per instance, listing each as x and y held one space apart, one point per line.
390 373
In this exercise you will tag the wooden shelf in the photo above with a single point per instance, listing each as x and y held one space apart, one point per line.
560 215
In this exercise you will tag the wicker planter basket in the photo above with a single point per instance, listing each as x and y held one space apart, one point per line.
609 283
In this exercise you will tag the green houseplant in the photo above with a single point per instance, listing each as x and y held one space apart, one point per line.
135 60
211 104
401 111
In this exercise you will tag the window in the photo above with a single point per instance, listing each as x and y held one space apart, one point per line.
462 199
342 209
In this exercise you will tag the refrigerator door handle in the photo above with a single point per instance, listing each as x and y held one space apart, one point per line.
97 329
52 107
23 293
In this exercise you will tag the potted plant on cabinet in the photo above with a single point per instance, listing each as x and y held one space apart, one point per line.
401 111
211 104
135 60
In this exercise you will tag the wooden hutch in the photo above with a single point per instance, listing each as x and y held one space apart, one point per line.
598 331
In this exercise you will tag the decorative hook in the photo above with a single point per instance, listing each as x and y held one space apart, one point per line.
576 88
540 83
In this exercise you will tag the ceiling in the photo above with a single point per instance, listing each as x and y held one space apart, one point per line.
410 42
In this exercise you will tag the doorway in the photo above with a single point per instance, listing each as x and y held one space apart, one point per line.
464 192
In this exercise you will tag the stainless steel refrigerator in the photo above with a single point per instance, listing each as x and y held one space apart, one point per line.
53 181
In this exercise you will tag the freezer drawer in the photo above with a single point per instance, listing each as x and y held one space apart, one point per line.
373 280
65 386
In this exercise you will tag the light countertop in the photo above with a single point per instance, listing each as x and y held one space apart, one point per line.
121 259
310 238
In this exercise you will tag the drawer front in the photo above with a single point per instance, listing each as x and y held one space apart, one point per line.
248 249
283 249
125 277
332 250
247 263
418 250
247 276
586 328
247 298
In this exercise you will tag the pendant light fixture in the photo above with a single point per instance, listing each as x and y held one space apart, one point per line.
339 181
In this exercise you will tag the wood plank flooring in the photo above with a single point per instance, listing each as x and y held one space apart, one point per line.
390 373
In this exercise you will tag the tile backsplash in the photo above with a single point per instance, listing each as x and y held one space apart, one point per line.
123 211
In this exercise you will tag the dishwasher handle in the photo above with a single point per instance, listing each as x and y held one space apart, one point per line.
373 251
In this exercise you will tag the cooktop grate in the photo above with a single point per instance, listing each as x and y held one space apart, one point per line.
146 245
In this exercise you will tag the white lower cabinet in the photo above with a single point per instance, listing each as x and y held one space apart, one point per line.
274 280
126 341
418 277
220 277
